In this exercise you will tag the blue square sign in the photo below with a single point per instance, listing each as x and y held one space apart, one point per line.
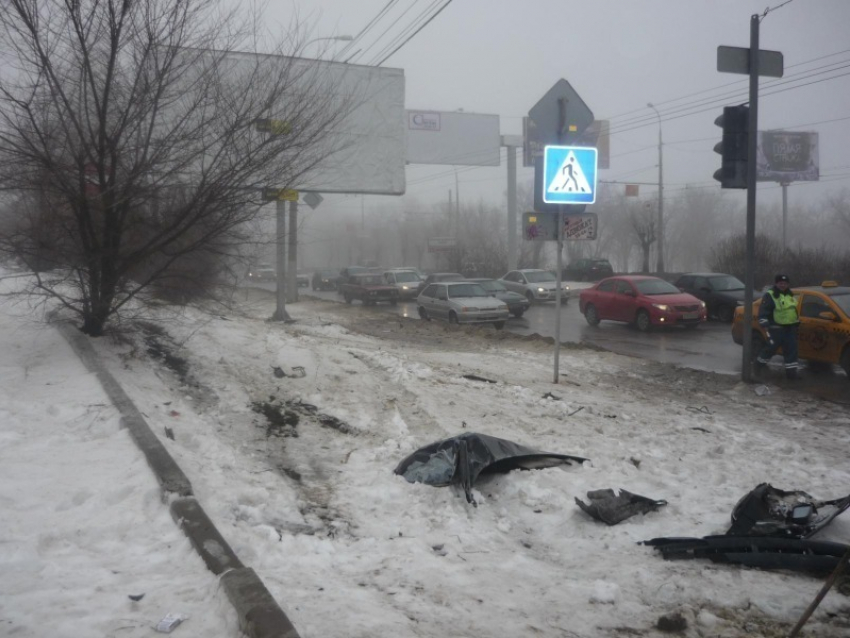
569 175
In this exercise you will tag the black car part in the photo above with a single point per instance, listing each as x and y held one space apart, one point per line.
816 557
462 459
611 508
768 511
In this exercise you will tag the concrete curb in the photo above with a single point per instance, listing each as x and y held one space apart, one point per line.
259 614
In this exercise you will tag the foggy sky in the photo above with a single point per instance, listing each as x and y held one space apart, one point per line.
501 56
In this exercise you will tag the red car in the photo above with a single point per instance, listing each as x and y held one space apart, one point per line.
640 300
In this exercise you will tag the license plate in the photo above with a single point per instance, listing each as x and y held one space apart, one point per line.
690 315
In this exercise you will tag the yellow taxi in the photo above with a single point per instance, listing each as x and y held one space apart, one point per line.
824 335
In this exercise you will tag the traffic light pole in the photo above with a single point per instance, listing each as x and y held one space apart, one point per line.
749 275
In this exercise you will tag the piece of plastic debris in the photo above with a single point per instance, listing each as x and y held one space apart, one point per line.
135 597
762 390
169 623
611 508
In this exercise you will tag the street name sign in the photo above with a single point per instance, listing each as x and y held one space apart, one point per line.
737 60
544 226
569 175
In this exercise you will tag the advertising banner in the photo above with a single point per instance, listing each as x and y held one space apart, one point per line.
787 156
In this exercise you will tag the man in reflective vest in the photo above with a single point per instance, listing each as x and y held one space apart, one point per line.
778 316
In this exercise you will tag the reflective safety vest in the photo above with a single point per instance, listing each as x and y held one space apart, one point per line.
784 309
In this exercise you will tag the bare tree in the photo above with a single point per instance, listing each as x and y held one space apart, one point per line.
128 131
643 225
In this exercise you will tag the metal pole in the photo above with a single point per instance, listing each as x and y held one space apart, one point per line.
558 295
784 214
512 209
292 270
280 313
749 276
660 259
457 206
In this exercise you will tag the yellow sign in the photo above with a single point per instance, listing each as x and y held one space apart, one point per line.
275 127
280 194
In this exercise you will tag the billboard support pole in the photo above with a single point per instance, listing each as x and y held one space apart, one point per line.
784 186
280 313
512 209
292 263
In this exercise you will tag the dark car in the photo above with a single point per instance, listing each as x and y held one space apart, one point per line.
588 270
721 293
346 273
517 303
642 301
324 280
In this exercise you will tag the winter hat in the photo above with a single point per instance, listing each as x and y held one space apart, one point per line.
781 278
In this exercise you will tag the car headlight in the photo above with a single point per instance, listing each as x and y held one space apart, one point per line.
702 304
661 306
541 289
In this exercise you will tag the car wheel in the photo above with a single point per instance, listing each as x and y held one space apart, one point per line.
642 321
518 313
725 314
423 314
845 362
452 317
591 315
530 296
347 298
499 324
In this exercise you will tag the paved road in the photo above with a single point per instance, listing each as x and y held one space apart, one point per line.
709 347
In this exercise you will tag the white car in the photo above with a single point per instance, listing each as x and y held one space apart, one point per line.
407 282
461 302
535 284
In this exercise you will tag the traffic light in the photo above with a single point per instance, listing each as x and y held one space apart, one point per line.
735 123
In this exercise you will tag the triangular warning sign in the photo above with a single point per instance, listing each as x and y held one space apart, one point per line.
569 177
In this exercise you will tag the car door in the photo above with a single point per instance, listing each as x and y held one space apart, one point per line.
624 302
511 283
426 299
603 299
818 340
440 302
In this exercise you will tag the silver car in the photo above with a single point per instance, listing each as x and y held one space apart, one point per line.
461 302
535 284
407 282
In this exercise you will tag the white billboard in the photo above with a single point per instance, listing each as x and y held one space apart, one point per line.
787 156
363 152
453 137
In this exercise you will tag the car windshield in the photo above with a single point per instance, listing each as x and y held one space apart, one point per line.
843 302
466 290
405 277
325 274
602 262
538 277
492 286
370 280
656 287
726 282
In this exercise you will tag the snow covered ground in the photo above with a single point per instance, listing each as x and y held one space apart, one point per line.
309 499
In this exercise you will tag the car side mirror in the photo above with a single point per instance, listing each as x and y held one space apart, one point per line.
828 315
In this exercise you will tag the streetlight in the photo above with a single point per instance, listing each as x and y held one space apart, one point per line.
660 262
338 38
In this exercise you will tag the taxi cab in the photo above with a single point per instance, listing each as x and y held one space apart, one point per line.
824 334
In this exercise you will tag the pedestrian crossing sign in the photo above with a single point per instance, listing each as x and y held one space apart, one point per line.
569 175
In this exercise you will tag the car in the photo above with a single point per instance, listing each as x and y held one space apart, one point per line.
535 284
407 282
721 293
461 302
324 280
262 272
369 288
517 303
824 334
440 276
346 273
588 270
302 279
641 300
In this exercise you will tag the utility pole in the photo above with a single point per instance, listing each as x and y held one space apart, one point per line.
660 260
280 313
292 262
